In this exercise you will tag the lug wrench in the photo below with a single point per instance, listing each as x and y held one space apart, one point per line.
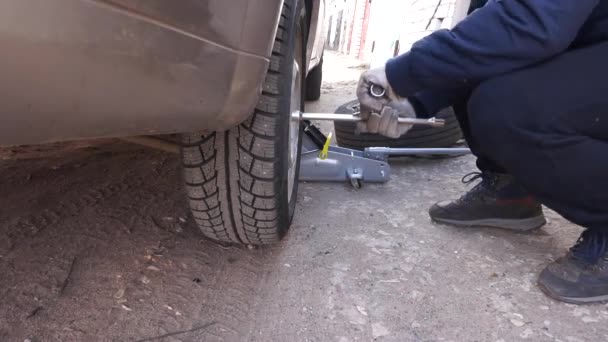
375 91
356 118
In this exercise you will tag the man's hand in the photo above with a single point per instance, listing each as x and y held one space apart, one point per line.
387 122
380 115
369 103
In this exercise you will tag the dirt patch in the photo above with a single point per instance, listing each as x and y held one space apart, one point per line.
97 244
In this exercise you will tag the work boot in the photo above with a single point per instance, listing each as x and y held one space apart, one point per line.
497 201
581 276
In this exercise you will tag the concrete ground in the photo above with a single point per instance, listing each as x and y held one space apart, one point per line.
96 244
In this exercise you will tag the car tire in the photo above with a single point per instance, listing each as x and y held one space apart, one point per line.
242 183
313 82
417 137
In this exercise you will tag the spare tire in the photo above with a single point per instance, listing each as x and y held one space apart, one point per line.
417 137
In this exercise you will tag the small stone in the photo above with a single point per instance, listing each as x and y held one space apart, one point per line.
287 265
153 268
579 312
361 310
406 268
119 294
526 333
182 220
415 294
145 280
547 323
379 330
169 307
390 281
126 307
177 313
589 319
517 322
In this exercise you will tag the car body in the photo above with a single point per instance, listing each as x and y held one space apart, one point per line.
77 69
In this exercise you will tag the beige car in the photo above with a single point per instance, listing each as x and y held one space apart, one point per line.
223 75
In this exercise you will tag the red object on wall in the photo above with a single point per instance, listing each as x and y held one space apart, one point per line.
364 29
351 29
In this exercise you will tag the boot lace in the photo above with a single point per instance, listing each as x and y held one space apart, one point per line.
471 177
481 189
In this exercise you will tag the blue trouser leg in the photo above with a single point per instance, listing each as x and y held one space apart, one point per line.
428 104
548 126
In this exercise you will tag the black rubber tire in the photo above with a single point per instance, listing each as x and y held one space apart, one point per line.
418 136
313 82
237 181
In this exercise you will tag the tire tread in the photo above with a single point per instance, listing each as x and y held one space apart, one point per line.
231 177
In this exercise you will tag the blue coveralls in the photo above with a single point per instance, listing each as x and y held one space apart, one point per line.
532 78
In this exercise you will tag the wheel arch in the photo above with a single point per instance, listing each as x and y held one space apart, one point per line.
315 12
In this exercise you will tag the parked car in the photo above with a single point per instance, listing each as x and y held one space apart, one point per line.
224 75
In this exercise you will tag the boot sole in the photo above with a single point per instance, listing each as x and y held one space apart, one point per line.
520 225
572 300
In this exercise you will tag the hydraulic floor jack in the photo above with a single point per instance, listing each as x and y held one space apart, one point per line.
324 162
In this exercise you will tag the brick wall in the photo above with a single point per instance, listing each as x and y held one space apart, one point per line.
381 24
358 19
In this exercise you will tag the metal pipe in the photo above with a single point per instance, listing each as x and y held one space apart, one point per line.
355 118
417 151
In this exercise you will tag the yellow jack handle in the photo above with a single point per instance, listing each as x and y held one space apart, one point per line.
325 151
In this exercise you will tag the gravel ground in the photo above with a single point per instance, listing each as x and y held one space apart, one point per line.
96 244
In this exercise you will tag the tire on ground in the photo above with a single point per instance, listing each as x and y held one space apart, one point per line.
237 181
417 137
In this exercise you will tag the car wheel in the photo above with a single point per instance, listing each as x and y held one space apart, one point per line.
417 137
242 184
314 81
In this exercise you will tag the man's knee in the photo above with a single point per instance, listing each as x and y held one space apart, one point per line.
499 110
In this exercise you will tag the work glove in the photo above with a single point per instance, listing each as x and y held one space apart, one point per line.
369 103
386 122
380 115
